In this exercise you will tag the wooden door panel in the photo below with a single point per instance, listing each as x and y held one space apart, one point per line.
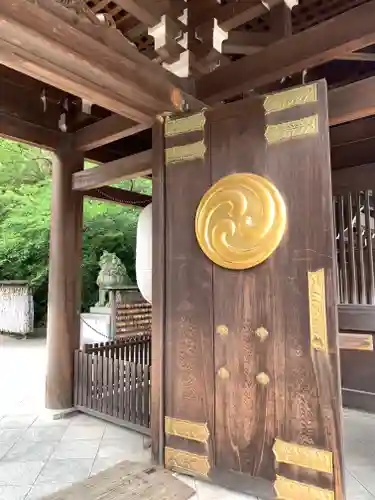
252 354
301 402
242 424
188 336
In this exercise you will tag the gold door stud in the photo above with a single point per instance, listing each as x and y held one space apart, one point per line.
222 330
262 378
223 373
262 333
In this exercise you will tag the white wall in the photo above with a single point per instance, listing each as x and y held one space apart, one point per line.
16 309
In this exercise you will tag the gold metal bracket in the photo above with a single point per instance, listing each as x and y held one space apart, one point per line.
187 430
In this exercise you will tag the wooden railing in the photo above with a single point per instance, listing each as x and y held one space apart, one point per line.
136 349
112 381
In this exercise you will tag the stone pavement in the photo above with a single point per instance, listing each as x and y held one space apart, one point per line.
39 456
359 448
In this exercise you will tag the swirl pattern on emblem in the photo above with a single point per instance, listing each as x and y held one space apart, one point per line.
240 221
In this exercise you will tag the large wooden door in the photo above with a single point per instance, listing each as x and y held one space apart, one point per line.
251 381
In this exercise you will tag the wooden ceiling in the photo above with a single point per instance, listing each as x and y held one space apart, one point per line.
134 17
304 15
96 73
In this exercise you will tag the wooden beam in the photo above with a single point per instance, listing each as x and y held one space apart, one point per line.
105 131
53 44
26 117
30 133
102 3
120 196
354 131
342 34
246 43
356 341
35 134
29 85
352 101
29 103
358 318
142 10
347 180
347 103
358 56
142 141
165 35
232 15
353 154
129 167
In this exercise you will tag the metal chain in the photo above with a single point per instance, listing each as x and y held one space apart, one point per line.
116 200
95 330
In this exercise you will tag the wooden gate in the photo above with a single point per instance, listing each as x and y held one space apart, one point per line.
112 381
247 316
354 238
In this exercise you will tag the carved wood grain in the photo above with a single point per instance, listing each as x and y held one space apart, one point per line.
189 384
301 403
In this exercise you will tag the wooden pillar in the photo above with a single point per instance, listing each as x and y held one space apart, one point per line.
64 294
158 293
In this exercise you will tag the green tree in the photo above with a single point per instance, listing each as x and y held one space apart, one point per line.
25 198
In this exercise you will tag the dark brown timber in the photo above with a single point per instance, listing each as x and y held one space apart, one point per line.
295 53
158 293
248 390
64 293
30 133
108 130
53 44
129 167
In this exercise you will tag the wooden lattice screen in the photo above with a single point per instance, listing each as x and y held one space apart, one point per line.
354 236
133 319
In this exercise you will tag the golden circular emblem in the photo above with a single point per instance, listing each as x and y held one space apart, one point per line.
240 221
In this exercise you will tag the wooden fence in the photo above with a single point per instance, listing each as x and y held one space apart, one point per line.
112 381
136 349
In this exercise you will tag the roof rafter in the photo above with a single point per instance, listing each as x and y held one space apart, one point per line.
53 44
358 56
234 14
129 167
105 131
353 154
355 131
351 102
30 133
345 33
140 9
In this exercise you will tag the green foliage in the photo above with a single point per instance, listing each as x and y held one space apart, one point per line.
25 197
